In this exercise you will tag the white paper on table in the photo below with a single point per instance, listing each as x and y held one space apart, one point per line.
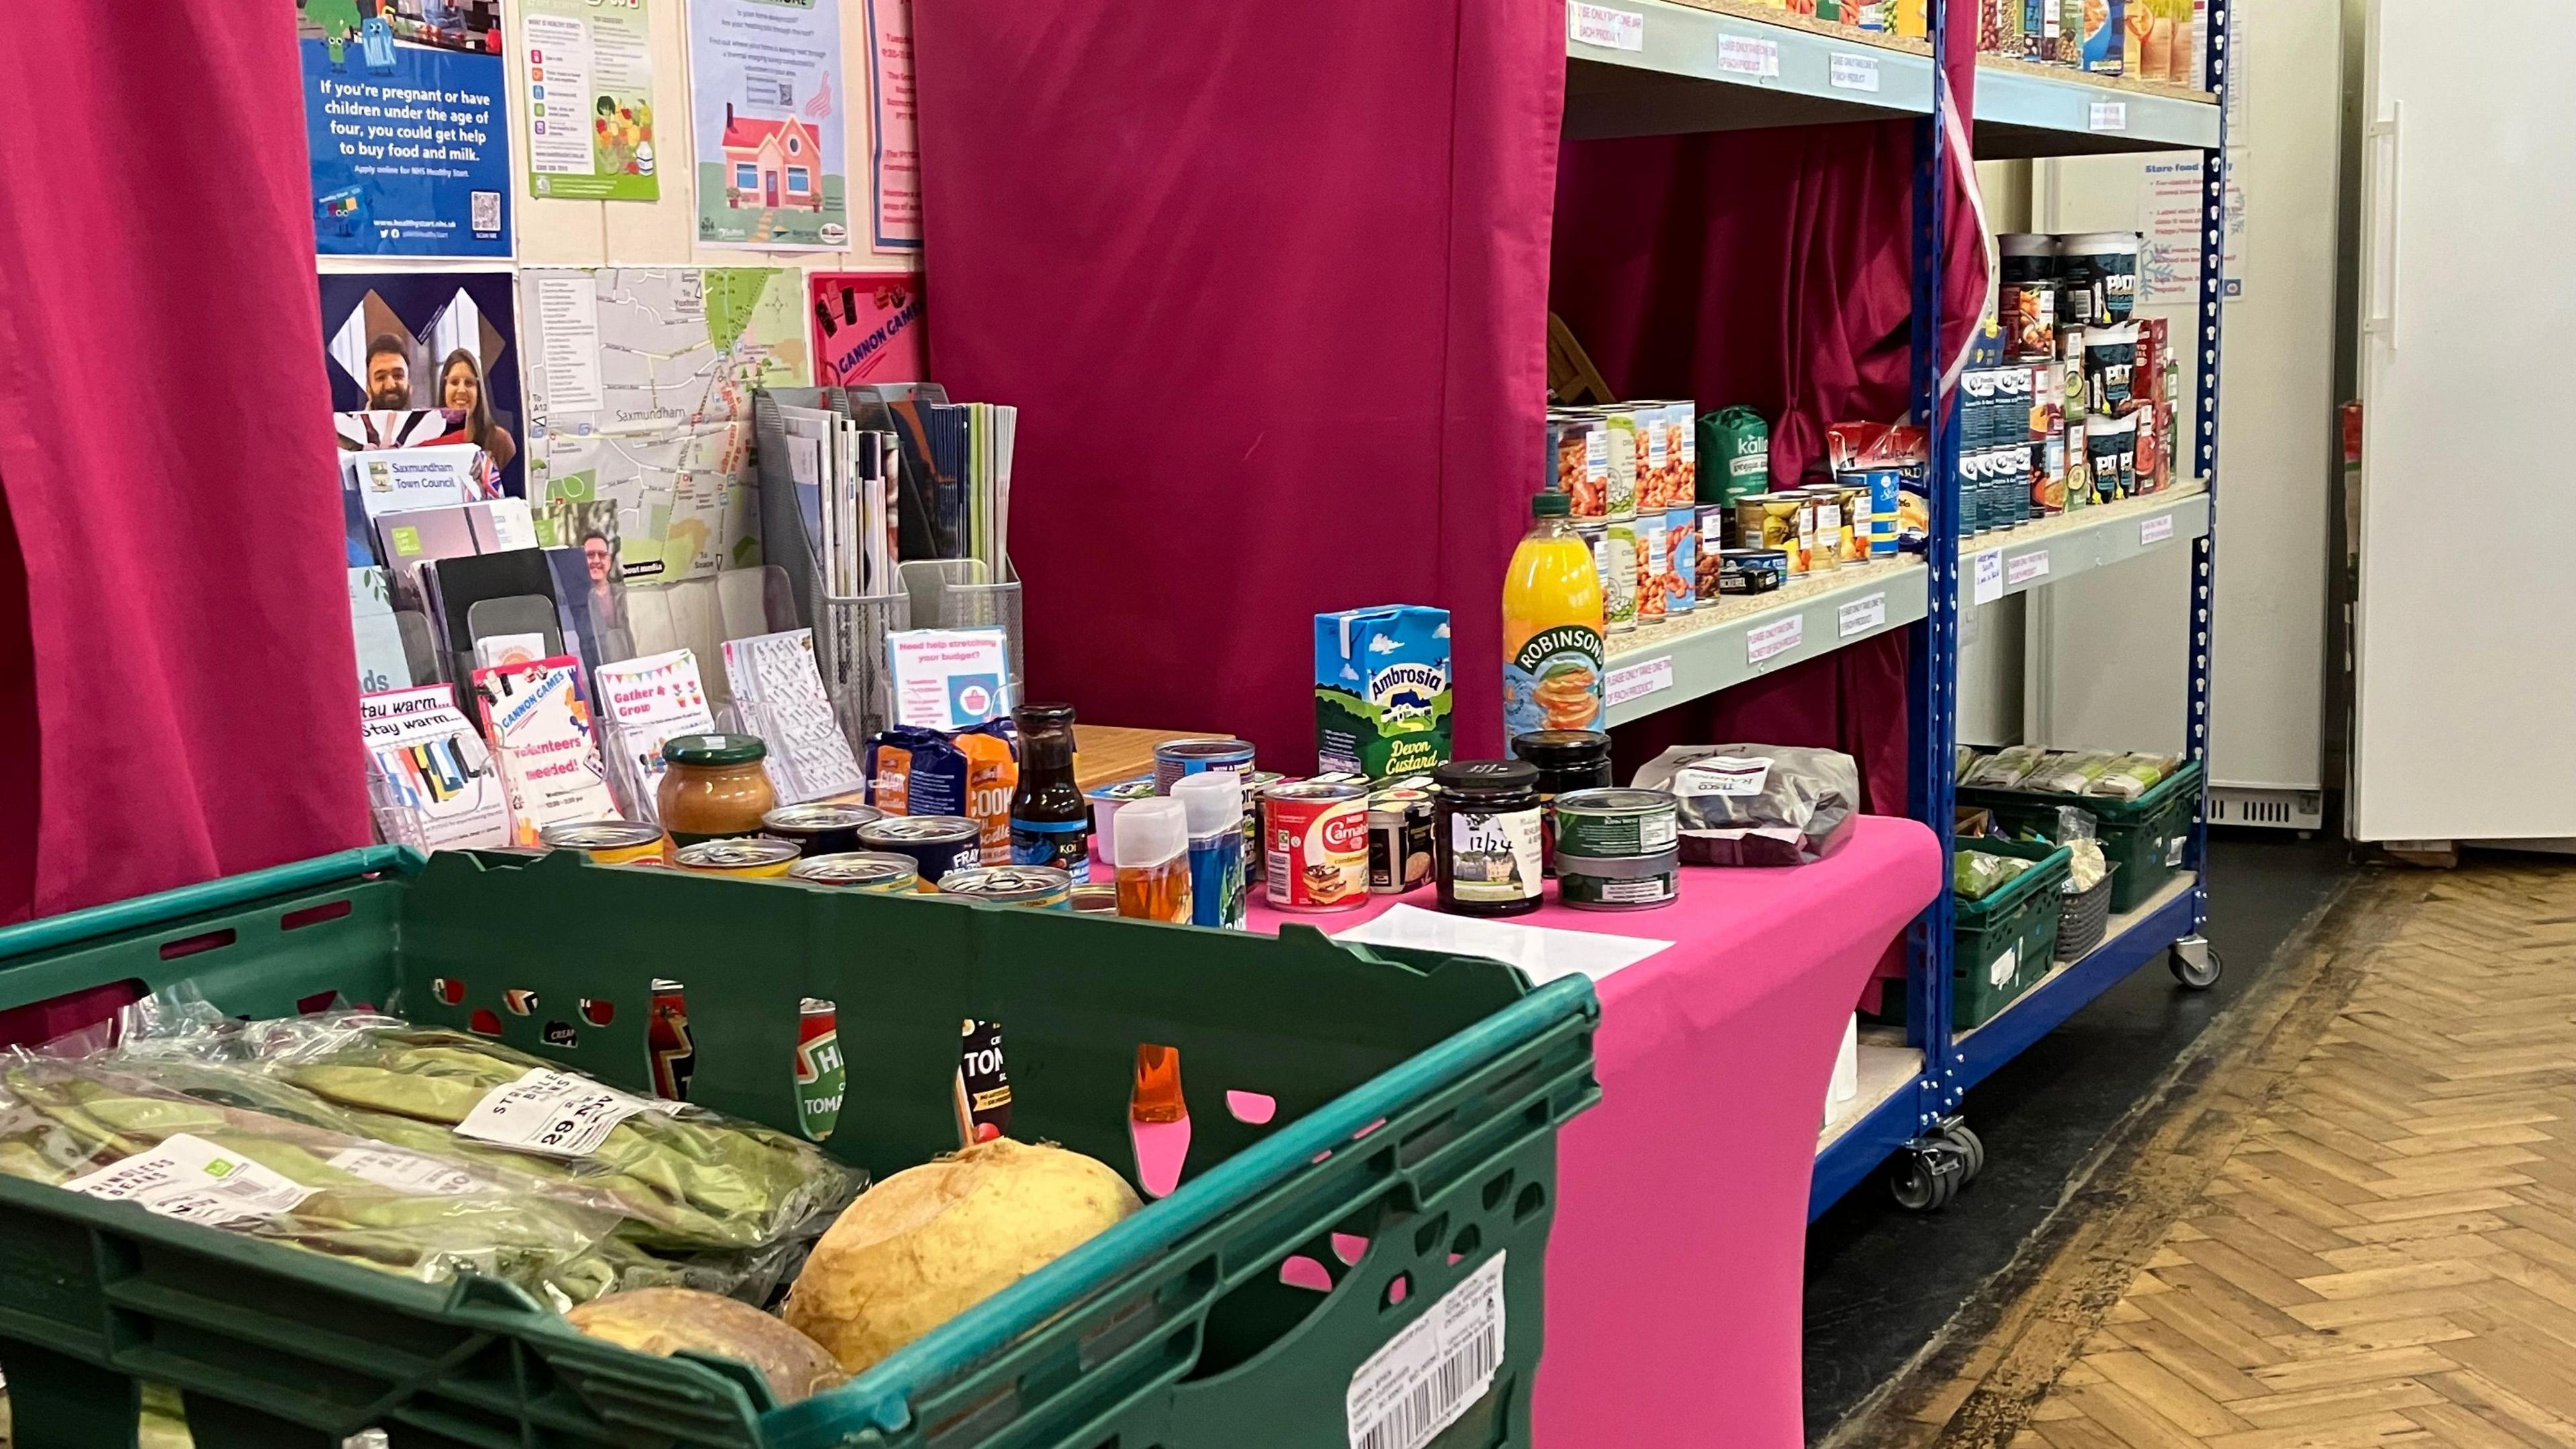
1544 952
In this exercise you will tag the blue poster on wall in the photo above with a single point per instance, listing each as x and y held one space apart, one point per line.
405 121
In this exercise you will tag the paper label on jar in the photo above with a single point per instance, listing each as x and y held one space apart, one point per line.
1722 775
197 1181
409 1172
551 1113
1494 856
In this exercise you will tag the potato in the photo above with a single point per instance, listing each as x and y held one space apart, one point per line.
926 1244
667 1320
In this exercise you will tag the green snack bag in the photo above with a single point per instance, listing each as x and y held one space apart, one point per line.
1735 455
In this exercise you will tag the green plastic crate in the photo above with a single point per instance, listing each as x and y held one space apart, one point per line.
1417 1101
2005 941
2145 837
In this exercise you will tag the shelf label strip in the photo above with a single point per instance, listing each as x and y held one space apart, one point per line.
1854 73
2152 531
1631 682
1774 639
1601 25
1861 616
2109 116
2026 567
1745 55
1987 574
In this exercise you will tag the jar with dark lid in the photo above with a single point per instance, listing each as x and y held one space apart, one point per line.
717 786
1486 851
1567 761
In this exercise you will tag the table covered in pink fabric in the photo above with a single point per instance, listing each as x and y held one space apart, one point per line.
1674 1269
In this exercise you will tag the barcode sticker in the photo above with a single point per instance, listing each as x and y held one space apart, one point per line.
1744 55
408 1172
551 1113
190 1178
2026 567
1428 1376
2155 530
1636 681
2110 116
1605 27
1853 72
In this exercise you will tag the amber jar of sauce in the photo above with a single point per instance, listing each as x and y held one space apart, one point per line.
716 786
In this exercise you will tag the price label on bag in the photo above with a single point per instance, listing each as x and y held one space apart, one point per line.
1852 72
192 1179
1434 1370
409 1172
1746 56
1986 576
1861 616
2026 567
551 1113
1605 27
2155 530
2109 116
1773 639
1636 681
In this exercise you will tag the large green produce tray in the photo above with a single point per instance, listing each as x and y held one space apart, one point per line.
1417 1101
2004 941
2145 837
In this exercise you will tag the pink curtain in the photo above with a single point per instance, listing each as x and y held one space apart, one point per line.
178 689
1268 283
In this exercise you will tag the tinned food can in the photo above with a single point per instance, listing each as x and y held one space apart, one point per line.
820 827
1315 845
666 1040
747 858
1630 883
936 844
1254 782
1616 824
821 1075
874 871
1041 886
1176 758
1399 823
606 842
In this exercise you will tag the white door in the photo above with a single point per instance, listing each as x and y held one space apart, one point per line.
2466 630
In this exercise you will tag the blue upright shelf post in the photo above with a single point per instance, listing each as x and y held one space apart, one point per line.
2194 963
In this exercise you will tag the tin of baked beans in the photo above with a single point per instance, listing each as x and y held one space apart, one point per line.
876 872
937 844
1041 886
1316 845
1606 824
1399 824
606 842
1176 758
745 857
821 1075
1637 883
821 827
666 1040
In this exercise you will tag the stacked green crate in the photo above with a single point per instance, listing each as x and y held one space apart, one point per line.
2004 941
2145 837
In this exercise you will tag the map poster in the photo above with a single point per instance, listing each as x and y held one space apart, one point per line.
772 142
639 407
590 100
405 125
867 328
397 341
894 173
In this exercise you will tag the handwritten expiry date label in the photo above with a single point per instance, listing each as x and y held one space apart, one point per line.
408 1172
2026 567
2110 116
1605 27
1636 681
1853 73
190 1178
1434 1370
1861 616
1722 775
2155 530
1744 55
1987 576
1775 638
554 1114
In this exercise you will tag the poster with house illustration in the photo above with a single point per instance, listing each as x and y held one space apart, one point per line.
772 130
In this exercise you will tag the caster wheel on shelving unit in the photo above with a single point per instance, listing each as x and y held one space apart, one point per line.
1923 1178
2195 963
1971 1148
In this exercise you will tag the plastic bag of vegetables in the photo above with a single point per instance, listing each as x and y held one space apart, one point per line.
1975 874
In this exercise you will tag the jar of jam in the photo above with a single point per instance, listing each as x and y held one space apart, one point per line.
1567 761
1485 841
716 787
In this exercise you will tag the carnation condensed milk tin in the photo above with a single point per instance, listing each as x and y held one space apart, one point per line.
1315 843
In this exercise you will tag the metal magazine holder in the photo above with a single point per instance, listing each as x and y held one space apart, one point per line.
849 632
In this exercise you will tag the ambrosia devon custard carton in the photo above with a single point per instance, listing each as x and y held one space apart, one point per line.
1382 690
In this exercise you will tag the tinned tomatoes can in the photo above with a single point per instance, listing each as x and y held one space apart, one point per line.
821 1076
1315 843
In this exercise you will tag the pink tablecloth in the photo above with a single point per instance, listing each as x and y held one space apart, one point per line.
1674 1270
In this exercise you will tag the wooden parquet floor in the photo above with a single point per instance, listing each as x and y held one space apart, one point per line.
2383 1249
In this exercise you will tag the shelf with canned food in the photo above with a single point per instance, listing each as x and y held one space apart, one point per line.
1725 642
2027 109
2049 550
1650 68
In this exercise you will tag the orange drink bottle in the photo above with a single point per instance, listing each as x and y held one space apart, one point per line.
1552 653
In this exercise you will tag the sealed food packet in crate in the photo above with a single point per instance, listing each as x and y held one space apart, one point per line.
1427 1129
